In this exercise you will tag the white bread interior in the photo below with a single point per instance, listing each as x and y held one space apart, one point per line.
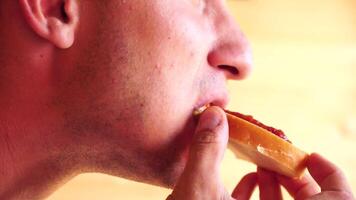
263 148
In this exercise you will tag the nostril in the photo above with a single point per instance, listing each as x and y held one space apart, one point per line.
231 69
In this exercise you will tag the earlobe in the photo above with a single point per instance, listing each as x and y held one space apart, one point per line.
55 21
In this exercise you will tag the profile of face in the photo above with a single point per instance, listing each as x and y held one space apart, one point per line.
140 69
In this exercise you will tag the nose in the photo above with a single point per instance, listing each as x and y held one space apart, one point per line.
231 51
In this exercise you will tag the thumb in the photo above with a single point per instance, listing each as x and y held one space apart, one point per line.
200 178
209 143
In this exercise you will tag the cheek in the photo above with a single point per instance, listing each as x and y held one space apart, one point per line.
151 71
170 85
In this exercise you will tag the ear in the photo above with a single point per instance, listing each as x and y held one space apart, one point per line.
53 20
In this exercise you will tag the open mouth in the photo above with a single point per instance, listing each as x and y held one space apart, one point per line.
201 109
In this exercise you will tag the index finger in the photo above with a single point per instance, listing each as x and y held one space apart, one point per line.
326 174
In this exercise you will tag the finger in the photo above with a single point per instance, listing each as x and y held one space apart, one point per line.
201 173
332 195
209 143
326 174
268 185
245 188
299 188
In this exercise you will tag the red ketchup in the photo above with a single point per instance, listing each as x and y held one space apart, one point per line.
250 119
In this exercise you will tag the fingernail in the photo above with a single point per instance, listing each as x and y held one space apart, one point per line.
209 120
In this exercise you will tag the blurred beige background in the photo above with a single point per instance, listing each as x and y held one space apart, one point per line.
304 83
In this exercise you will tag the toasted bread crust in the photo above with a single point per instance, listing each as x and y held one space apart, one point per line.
257 145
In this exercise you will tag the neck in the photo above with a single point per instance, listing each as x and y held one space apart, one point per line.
34 159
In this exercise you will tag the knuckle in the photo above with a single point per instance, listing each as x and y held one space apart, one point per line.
206 137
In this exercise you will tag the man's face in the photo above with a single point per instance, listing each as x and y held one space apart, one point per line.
142 68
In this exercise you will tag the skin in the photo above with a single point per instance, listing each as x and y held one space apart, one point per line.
201 178
110 86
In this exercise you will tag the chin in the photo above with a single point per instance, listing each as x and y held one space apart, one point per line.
168 167
177 159
161 164
169 178
172 176
165 177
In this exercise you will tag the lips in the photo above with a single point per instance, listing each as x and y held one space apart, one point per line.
199 110
221 100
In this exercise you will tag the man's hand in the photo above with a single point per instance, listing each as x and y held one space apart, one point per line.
201 179
330 182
